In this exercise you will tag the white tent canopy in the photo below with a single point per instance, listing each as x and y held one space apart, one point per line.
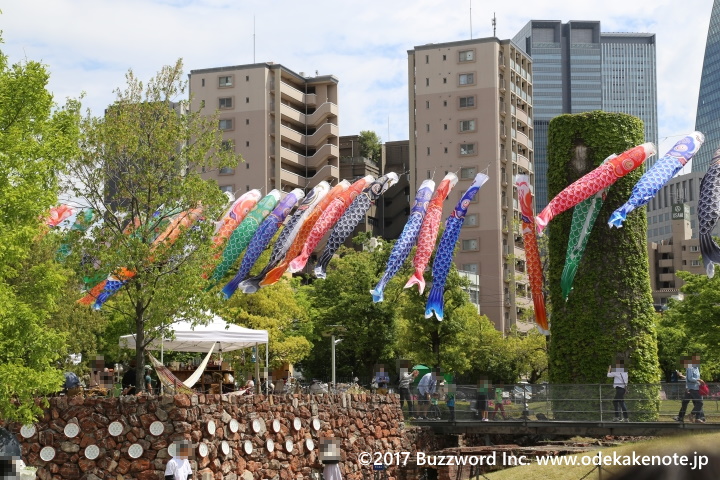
202 337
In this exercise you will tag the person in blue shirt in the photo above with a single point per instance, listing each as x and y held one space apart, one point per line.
692 387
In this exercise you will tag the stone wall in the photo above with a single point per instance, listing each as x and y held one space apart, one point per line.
372 423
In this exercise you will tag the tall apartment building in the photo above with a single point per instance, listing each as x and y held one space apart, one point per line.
681 190
284 124
677 252
577 68
707 119
471 111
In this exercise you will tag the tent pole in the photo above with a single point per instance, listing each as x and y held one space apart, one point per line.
267 368
256 388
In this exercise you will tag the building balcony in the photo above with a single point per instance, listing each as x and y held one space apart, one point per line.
325 131
519 253
328 172
667 277
667 263
291 180
522 116
320 158
320 115
523 162
664 248
522 138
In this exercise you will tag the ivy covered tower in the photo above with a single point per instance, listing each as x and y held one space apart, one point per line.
609 313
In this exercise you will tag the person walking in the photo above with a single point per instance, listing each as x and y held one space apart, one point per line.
406 380
692 390
499 403
620 382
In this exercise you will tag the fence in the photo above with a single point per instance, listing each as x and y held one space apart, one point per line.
578 402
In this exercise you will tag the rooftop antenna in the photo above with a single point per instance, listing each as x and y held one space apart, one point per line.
494 24
253 38
470 19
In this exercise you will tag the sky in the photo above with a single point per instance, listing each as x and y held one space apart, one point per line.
89 45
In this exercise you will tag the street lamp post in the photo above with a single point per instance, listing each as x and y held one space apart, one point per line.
334 342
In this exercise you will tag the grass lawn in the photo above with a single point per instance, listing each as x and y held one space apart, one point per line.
703 444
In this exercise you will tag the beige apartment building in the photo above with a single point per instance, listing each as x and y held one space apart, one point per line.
284 124
678 252
470 111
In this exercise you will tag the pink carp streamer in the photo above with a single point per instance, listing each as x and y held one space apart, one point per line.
427 237
297 244
532 253
58 214
594 181
326 221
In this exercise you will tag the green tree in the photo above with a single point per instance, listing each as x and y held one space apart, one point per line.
609 314
140 165
274 309
370 145
343 298
36 139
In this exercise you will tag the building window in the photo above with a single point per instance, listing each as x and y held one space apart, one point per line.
227 171
694 248
467 149
444 57
445 150
470 267
468 172
444 80
427 127
427 58
427 103
428 151
247 121
227 188
202 82
427 82
226 102
467 56
247 78
225 81
247 143
470 244
247 99
694 263
247 165
471 220
467 125
202 103
467 102
429 175
444 126
226 124
467 78
228 146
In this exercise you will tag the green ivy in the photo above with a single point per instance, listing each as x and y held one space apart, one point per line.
609 313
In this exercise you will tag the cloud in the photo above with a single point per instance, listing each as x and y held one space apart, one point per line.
90 44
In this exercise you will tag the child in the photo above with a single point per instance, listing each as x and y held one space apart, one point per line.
178 467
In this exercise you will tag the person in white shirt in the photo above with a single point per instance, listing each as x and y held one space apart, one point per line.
620 382
178 467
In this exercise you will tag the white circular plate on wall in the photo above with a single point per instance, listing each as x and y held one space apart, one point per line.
270 445
289 445
92 452
71 430
297 423
47 454
202 449
115 429
211 427
316 423
276 425
256 425
171 449
225 447
234 425
157 428
135 450
248 447
309 444
28 431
